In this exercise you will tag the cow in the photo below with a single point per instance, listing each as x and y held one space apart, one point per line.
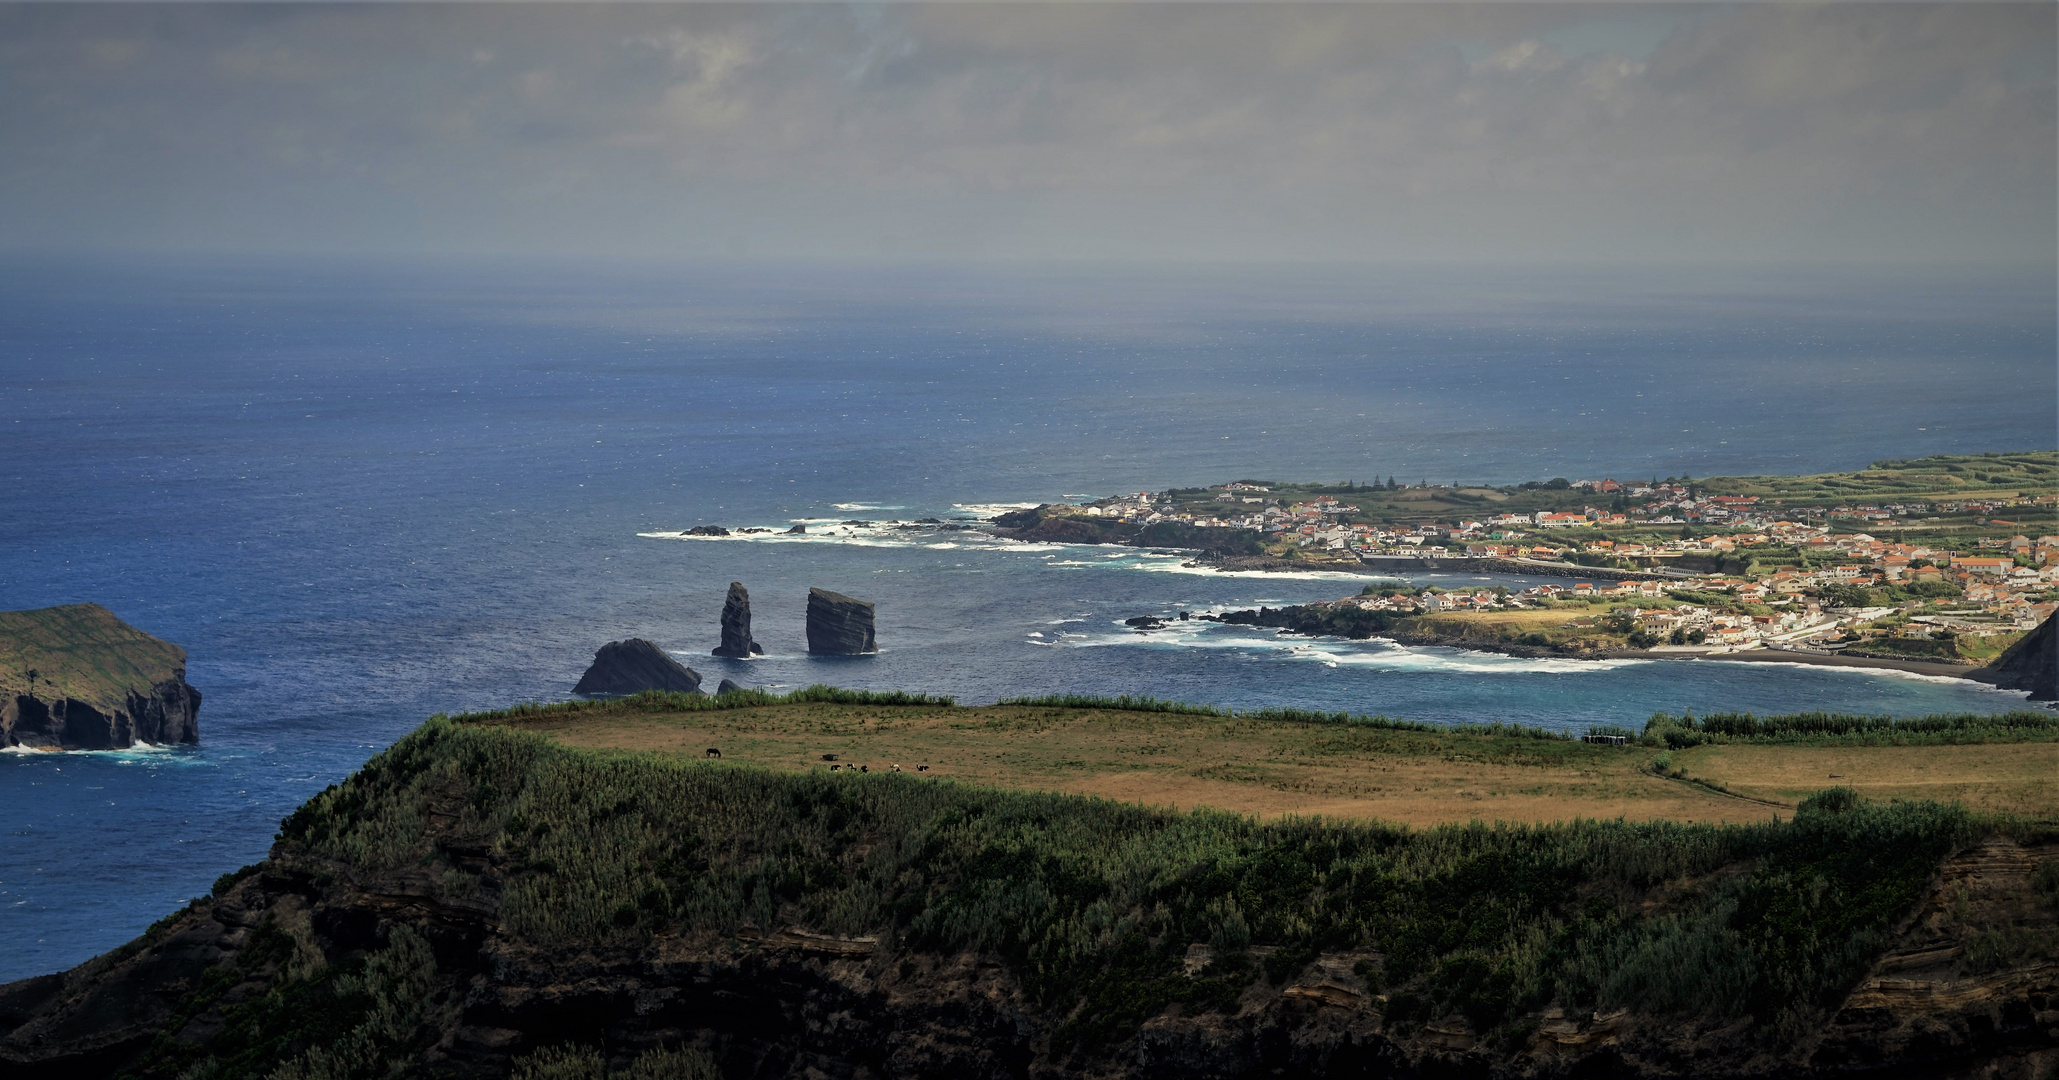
714 753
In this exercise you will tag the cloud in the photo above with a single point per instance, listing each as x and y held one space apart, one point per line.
1118 130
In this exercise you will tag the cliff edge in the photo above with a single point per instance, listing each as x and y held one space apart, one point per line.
2032 663
477 900
75 677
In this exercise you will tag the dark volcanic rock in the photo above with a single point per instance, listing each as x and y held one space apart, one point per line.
707 530
2032 663
728 685
78 678
633 666
797 530
839 625
736 625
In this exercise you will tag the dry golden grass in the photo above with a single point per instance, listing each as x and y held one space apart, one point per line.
2020 778
1271 769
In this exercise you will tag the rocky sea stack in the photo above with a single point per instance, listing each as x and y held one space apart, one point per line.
633 666
2032 663
839 625
78 678
736 625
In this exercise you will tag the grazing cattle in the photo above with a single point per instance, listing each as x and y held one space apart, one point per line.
836 768
829 757
712 752
864 768
922 768
897 768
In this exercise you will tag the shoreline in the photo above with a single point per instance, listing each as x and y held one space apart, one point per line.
1775 656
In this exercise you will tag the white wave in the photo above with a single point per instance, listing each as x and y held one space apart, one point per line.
1893 673
865 506
1376 653
1177 565
851 536
987 510
129 755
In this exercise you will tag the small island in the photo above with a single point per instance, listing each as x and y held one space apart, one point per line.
76 677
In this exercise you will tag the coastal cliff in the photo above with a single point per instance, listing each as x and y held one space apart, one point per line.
477 897
75 677
2032 663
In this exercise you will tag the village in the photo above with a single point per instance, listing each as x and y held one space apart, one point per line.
1677 568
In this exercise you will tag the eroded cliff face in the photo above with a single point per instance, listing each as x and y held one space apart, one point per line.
78 678
403 967
2032 663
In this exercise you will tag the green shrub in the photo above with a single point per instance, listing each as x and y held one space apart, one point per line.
1093 903
2021 725
582 1063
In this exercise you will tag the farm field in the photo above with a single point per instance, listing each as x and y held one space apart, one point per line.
2021 778
1336 771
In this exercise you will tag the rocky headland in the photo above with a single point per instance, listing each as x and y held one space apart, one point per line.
839 625
477 897
1055 524
736 625
75 677
633 666
2031 664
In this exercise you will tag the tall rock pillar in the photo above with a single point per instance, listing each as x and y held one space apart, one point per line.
736 625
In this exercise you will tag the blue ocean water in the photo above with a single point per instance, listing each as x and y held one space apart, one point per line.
362 493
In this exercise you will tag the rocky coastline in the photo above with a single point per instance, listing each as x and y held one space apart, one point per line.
1296 620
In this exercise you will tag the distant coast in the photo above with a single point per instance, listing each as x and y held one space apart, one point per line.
1291 620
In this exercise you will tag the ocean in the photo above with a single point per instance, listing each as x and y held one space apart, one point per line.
360 493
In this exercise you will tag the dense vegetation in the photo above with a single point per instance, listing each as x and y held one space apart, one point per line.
1092 904
1818 728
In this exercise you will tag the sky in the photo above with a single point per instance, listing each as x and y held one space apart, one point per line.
1271 132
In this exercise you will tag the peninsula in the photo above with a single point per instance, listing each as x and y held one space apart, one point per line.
1934 563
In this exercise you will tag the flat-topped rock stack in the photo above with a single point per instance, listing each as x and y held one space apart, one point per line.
736 625
633 666
75 677
839 625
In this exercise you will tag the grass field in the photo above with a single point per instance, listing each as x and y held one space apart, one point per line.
2021 778
1276 768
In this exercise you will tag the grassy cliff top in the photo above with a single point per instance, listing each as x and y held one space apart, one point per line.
1094 904
81 651
1281 762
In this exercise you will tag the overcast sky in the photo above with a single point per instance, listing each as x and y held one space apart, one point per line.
1078 130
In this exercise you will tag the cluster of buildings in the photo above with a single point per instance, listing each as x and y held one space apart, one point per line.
2002 585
